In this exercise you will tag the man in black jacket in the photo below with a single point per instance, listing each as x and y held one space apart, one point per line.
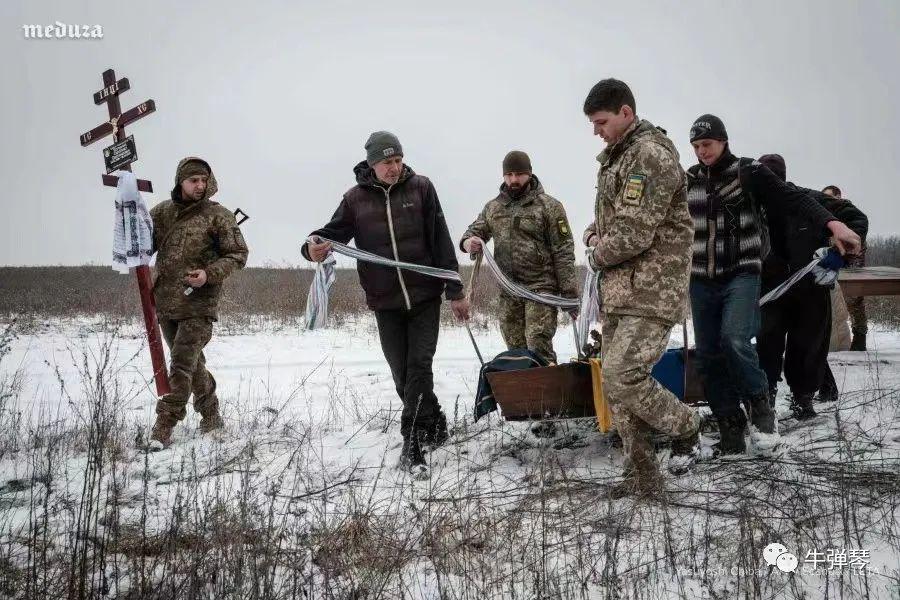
394 213
796 328
728 198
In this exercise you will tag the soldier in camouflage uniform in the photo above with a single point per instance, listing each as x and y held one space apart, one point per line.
199 245
856 306
533 246
641 240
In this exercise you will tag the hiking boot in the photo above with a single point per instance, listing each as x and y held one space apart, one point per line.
160 435
858 344
436 434
211 422
802 407
762 417
411 457
731 435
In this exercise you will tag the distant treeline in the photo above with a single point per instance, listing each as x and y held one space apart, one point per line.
277 293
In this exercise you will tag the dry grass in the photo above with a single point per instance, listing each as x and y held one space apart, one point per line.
507 515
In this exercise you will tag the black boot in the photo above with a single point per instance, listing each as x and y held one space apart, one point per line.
828 391
802 406
761 414
411 457
859 342
731 435
436 433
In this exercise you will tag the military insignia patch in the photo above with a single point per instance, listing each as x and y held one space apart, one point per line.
238 235
563 228
634 188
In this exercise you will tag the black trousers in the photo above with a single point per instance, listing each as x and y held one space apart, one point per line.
409 340
795 334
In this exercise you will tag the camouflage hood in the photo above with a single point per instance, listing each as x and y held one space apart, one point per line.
211 186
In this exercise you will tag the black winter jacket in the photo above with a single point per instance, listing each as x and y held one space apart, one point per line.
402 222
794 241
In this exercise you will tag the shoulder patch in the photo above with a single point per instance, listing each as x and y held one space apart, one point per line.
564 230
634 188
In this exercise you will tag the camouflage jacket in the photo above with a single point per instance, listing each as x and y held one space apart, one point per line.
645 231
195 235
532 241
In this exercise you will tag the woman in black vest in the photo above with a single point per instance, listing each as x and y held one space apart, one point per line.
729 198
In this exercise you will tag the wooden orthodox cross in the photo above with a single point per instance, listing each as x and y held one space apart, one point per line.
120 156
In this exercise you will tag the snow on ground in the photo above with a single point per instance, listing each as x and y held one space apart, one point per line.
312 434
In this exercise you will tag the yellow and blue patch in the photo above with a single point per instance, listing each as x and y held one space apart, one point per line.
634 188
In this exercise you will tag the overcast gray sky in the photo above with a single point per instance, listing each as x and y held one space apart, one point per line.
281 96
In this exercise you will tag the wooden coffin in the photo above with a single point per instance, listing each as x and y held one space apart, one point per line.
561 391
870 281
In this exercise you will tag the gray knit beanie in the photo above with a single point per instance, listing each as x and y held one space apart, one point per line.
382 145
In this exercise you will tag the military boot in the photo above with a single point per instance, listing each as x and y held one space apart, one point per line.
211 422
644 485
802 407
161 434
731 435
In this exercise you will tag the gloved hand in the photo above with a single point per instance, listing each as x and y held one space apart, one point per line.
830 262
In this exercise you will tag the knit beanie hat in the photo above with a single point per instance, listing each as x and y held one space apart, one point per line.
382 145
516 162
708 127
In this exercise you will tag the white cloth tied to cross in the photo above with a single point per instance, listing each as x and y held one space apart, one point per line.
132 226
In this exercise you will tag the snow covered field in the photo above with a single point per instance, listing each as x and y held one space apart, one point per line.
301 497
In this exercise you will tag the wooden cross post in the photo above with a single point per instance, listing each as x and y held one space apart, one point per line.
120 156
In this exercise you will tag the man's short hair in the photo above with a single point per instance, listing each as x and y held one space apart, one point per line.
834 189
609 95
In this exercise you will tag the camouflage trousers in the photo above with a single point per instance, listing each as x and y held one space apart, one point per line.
856 306
526 324
631 347
187 371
